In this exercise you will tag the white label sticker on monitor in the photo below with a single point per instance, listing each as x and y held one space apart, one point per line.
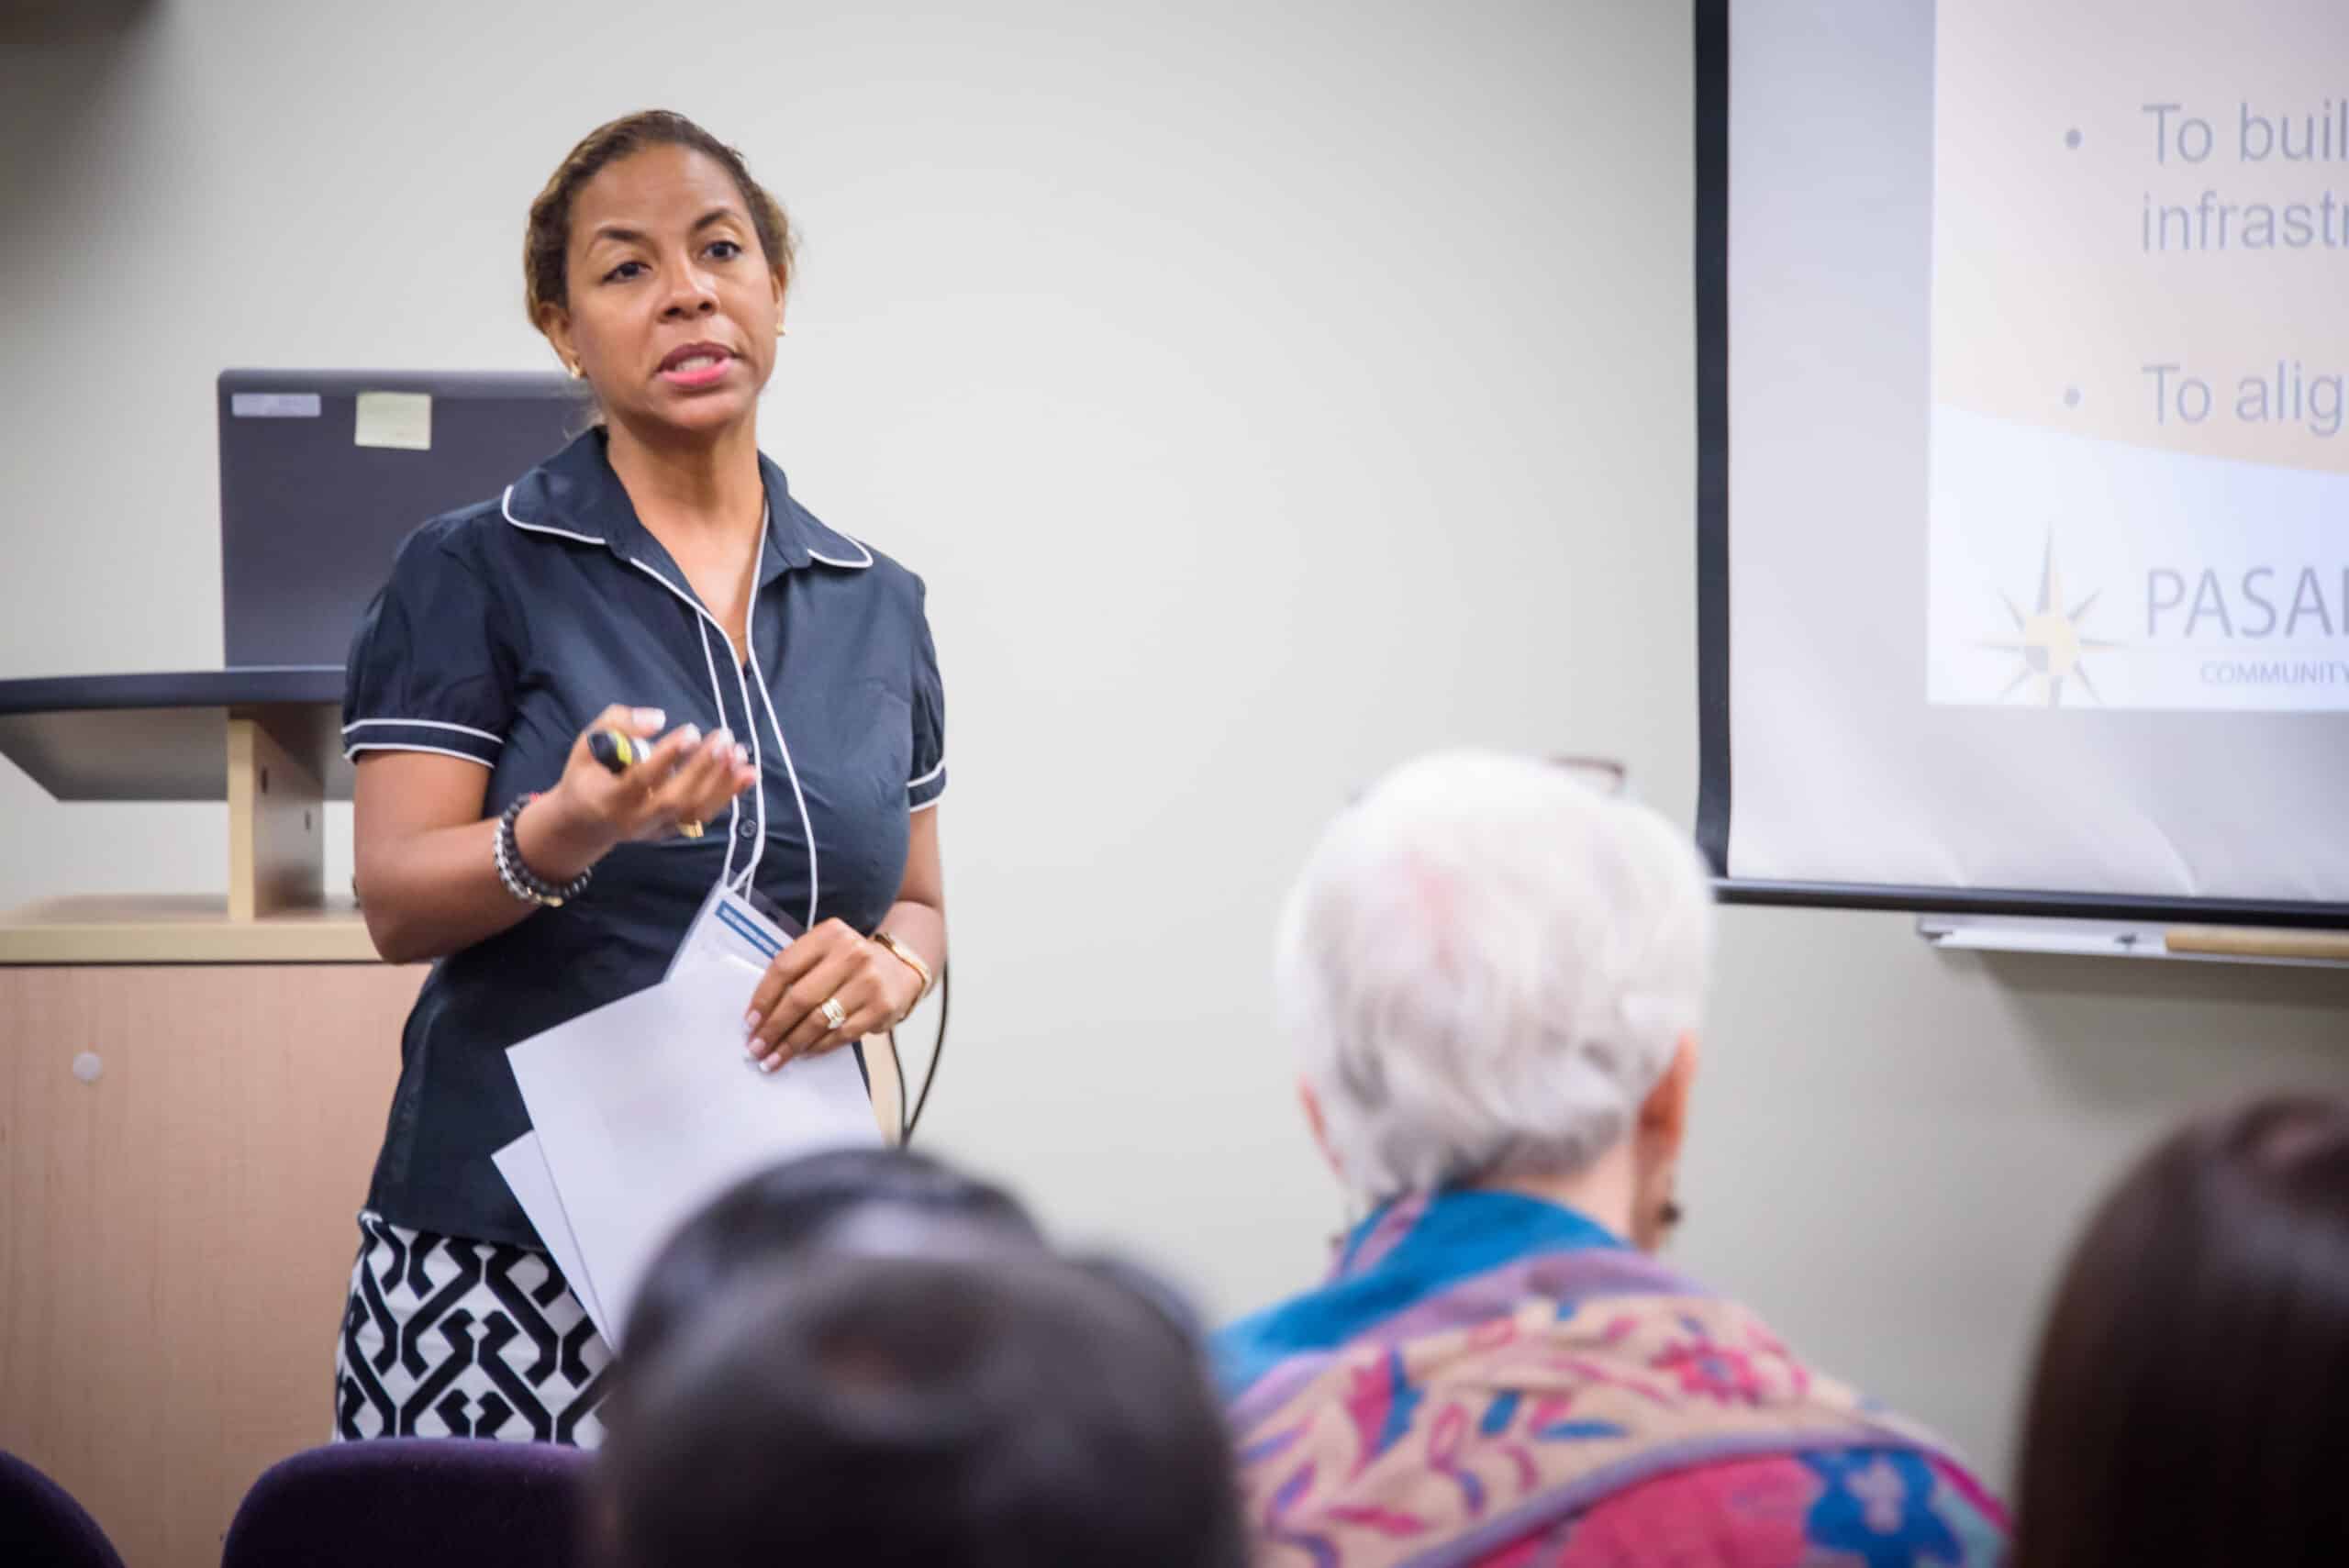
402 419
273 404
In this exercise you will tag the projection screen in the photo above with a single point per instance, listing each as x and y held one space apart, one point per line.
2024 488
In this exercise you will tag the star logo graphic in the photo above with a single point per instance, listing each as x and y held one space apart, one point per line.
2049 647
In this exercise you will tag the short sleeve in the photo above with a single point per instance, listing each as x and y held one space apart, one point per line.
430 669
928 786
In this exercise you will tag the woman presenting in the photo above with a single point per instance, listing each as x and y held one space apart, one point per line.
655 577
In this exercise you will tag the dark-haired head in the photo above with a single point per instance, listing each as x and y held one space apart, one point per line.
657 266
781 1210
2191 1401
959 1411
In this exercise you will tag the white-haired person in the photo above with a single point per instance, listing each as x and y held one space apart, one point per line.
1494 971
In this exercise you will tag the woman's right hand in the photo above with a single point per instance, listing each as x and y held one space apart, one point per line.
689 778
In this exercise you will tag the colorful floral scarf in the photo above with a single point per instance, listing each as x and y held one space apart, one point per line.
1482 1368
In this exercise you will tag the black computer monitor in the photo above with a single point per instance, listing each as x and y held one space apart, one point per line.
311 512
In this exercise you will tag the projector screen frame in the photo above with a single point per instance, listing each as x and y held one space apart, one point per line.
1714 760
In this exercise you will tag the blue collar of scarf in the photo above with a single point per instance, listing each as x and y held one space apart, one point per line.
1405 1252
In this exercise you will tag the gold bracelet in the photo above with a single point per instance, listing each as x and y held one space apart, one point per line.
911 960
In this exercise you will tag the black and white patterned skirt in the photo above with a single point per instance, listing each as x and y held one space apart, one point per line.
447 1338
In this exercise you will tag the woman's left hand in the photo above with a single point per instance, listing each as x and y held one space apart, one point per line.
871 987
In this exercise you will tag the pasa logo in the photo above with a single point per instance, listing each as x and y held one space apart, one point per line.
2049 646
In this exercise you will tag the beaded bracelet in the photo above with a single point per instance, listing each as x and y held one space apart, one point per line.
516 874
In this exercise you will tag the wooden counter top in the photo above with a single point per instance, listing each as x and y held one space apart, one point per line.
193 929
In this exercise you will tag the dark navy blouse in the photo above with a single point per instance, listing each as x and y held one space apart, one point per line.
506 628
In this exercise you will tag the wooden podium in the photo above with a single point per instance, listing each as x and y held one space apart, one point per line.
192 1091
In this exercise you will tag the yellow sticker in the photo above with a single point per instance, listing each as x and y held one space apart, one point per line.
401 419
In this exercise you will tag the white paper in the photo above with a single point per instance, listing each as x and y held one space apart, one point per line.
524 1165
647 1108
400 420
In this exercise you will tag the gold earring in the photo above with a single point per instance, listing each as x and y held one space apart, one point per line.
576 373
778 329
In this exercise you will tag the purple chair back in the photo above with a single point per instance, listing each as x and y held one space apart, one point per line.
416 1503
39 1522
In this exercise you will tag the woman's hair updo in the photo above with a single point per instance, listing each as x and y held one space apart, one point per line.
547 242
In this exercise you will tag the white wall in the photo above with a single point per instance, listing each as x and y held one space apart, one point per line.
1268 392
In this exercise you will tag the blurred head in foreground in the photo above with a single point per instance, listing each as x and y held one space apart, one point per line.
770 1216
990 1406
2191 1403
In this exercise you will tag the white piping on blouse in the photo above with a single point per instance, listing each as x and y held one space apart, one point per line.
853 566
750 636
426 724
734 805
695 604
506 504
806 826
350 753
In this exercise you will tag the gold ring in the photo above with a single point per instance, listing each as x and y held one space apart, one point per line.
834 1014
690 830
